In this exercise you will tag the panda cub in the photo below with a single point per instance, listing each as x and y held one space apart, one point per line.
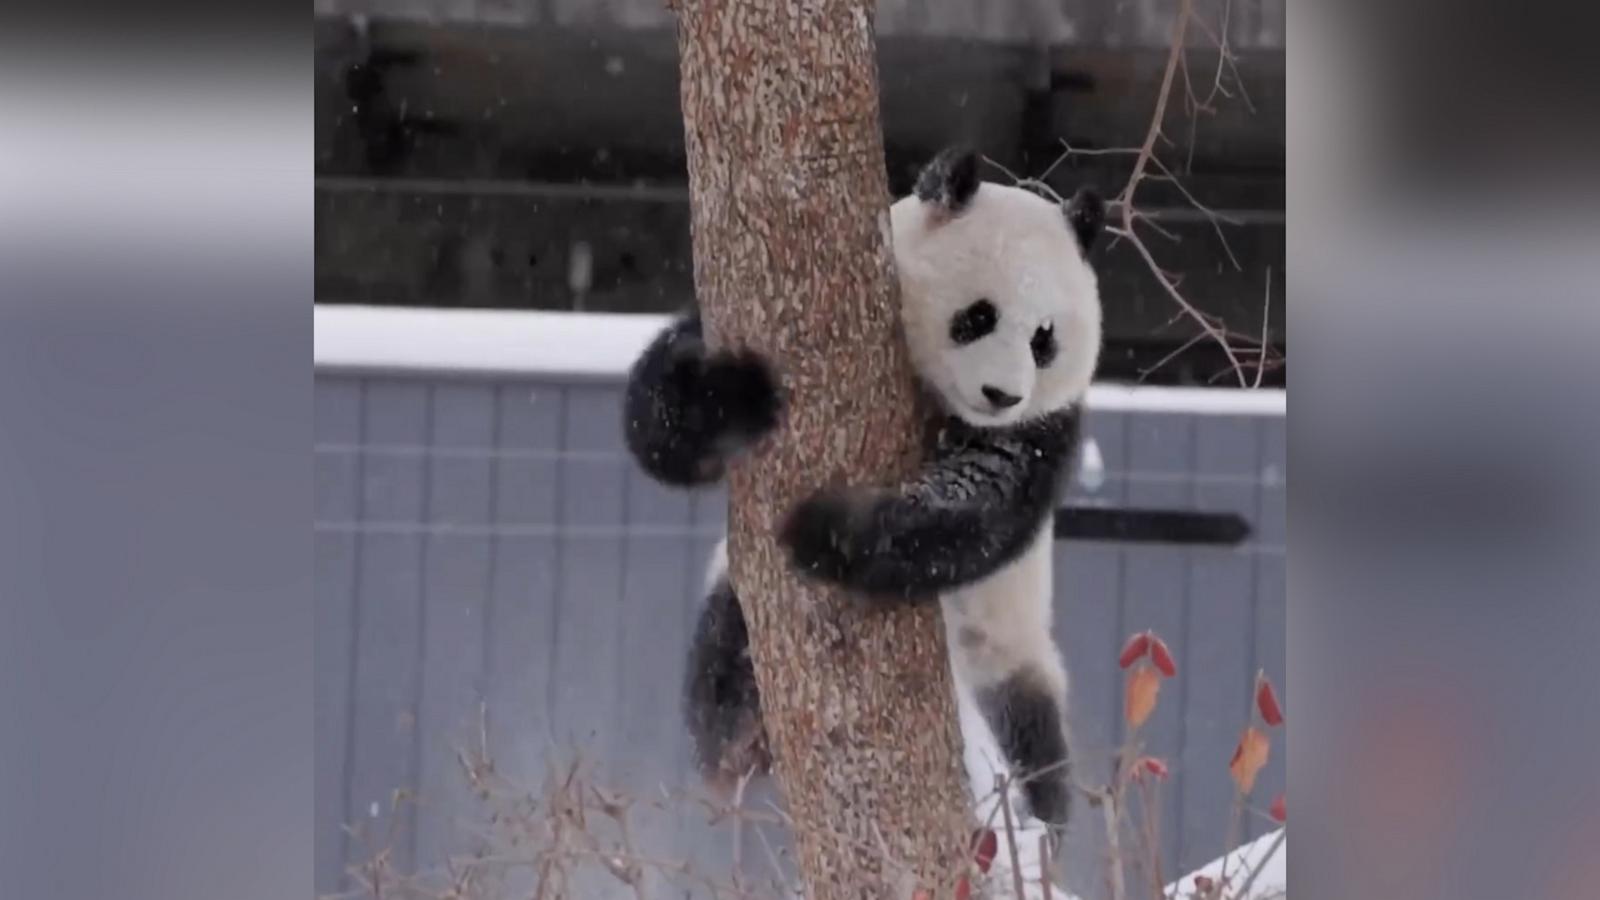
1001 314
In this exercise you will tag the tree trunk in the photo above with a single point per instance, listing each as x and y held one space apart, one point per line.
791 258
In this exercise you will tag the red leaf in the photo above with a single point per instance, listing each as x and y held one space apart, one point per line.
1136 647
1152 765
1267 701
1280 809
963 889
987 846
1162 657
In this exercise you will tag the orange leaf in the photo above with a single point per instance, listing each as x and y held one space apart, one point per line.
1162 657
1143 686
1280 809
1267 701
1136 647
1248 758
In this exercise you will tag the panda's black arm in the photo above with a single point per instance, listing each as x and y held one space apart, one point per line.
686 411
974 508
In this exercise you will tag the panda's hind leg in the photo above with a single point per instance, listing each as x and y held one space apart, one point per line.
1004 653
1027 713
721 702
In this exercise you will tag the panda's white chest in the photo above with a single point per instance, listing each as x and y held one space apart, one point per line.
1007 616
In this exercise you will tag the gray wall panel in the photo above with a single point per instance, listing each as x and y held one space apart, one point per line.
463 415
491 542
387 676
585 682
531 415
388 640
652 636
1272 591
655 506
525 491
457 596
1219 655
1156 589
711 511
521 649
456 586
1089 629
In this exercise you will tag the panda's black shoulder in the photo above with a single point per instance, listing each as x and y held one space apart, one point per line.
1052 434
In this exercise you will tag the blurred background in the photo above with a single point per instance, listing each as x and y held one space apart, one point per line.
157 179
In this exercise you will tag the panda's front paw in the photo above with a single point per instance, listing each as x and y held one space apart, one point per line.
823 535
745 394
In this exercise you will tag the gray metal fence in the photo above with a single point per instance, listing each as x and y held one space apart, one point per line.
488 541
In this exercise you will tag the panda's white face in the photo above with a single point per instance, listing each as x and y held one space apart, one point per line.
1001 312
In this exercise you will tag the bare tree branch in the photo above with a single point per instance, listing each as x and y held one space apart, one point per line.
1241 351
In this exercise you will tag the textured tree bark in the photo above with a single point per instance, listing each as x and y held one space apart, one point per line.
790 222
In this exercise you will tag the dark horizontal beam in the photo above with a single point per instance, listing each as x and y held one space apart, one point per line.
1150 526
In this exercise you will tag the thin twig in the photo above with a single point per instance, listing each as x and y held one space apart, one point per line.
1144 157
1145 373
738 828
1152 817
1125 199
1215 217
1179 29
1177 297
1266 319
1011 839
1150 221
772 858
1232 841
1033 184
1225 55
1109 806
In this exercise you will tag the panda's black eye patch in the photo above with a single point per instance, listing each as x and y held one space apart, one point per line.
973 322
1044 345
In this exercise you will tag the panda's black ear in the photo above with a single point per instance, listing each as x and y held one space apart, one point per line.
950 179
1086 213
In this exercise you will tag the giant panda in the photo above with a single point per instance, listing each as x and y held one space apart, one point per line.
1001 314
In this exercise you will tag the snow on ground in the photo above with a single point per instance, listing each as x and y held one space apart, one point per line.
984 763
1270 852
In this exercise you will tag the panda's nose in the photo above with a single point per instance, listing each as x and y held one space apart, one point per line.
999 398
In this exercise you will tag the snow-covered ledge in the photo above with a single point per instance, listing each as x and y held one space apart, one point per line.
603 345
